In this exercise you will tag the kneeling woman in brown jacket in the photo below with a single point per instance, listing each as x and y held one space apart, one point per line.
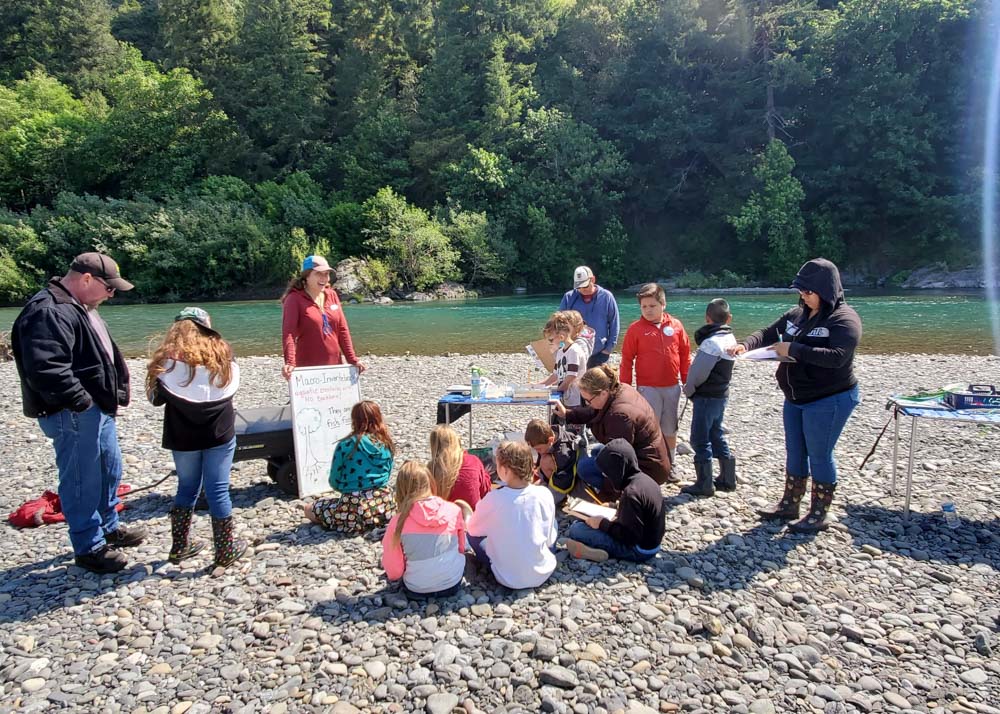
614 410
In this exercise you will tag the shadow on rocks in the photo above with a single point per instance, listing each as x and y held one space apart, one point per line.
734 560
479 592
157 504
925 536
36 588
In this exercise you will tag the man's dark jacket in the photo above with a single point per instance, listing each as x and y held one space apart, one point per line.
60 359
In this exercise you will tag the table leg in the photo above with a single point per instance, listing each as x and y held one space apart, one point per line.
447 413
909 467
470 426
895 449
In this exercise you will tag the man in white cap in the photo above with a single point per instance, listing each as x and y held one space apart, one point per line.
73 379
599 310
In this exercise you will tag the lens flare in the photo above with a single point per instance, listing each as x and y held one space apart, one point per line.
989 210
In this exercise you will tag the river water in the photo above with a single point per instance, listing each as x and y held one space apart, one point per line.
894 322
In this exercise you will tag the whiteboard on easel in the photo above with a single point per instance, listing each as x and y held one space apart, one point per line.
322 398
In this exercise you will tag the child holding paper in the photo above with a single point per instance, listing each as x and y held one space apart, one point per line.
514 527
569 357
638 525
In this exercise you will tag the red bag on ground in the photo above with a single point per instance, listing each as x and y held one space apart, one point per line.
47 509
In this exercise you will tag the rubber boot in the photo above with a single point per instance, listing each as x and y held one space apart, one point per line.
727 475
183 546
228 548
703 480
787 509
817 519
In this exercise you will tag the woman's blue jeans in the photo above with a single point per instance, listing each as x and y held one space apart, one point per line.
208 469
811 432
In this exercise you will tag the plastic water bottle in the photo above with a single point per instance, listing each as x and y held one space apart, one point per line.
950 512
477 390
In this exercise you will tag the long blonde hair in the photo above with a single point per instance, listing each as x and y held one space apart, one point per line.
413 483
446 459
186 342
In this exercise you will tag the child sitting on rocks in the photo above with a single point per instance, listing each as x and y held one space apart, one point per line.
425 541
637 528
362 463
456 475
514 527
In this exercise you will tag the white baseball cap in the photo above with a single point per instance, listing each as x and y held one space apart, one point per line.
582 277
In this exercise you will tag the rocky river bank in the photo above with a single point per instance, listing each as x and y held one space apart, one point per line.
874 615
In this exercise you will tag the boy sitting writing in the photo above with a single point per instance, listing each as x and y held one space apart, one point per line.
637 529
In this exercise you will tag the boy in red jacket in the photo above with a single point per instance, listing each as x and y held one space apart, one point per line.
661 351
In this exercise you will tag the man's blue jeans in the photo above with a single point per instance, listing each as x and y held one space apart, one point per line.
811 432
707 438
580 531
208 469
90 469
597 359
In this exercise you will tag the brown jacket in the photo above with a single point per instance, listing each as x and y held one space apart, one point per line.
627 415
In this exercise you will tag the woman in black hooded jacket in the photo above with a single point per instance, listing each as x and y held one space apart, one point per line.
820 336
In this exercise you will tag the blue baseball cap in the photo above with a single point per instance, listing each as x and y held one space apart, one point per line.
316 262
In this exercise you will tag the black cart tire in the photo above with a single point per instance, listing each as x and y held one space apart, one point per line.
272 470
285 478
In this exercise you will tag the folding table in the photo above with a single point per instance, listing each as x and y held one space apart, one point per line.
968 416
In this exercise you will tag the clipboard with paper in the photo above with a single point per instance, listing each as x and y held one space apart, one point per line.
583 510
542 353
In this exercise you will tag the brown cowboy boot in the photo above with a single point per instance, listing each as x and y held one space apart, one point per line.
787 509
816 520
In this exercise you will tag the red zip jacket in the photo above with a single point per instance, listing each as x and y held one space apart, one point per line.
660 352
306 341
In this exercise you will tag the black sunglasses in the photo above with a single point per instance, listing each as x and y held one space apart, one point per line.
109 288
586 402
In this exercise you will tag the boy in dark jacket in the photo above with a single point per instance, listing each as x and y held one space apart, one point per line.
707 388
637 528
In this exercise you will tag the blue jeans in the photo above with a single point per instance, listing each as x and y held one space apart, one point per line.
208 468
588 471
479 548
811 432
707 438
580 531
90 469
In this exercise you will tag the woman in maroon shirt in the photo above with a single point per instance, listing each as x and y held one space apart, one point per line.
314 328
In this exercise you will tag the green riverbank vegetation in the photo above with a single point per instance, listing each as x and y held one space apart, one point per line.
210 144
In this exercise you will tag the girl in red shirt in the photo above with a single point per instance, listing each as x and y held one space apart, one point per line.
314 328
456 474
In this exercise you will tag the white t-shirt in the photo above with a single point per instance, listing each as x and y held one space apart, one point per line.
520 529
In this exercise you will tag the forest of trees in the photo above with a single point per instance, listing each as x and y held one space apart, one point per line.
210 144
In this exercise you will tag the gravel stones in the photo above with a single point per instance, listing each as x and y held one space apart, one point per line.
875 615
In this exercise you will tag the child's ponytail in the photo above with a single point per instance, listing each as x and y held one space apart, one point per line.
413 483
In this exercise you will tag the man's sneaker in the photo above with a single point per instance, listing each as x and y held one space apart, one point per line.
123 537
103 560
585 552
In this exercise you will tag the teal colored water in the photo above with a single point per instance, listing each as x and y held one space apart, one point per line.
893 323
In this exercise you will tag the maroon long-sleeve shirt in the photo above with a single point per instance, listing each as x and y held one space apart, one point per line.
309 341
